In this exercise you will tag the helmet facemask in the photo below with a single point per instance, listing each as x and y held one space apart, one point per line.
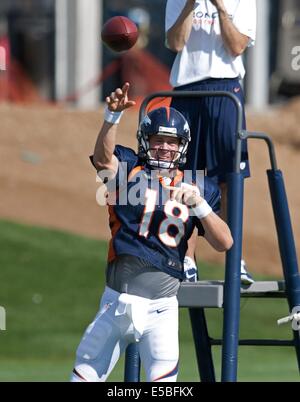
156 161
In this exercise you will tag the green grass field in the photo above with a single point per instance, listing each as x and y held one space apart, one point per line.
50 284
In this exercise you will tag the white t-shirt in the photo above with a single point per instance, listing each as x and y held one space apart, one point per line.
204 55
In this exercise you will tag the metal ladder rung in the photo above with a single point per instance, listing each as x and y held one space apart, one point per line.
258 342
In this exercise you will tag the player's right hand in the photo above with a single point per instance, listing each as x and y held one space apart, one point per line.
118 100
184 195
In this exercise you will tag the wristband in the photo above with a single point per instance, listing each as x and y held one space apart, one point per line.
202 210
112 117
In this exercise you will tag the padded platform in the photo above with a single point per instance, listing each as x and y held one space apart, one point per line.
210 293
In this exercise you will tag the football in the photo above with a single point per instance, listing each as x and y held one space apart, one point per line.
119 33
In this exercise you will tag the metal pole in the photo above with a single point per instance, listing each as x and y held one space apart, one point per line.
203 345
132 364
231 317
286 245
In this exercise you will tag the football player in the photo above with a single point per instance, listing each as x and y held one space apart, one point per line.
152 215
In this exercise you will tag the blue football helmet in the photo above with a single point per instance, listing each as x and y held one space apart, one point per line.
165 121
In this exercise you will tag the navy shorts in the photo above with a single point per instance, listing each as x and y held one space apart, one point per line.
213 128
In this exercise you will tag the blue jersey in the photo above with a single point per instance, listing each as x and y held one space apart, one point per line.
144 222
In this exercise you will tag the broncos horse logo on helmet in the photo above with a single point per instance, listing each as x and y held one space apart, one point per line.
165 121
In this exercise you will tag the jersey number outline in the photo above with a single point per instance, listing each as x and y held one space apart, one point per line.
171 219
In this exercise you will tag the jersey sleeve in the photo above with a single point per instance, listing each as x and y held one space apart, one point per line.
212 196
127 161
245 19
173 10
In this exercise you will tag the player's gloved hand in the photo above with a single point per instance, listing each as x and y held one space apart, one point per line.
192 199
118 100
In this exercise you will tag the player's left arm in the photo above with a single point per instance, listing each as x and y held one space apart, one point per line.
234 41
217 232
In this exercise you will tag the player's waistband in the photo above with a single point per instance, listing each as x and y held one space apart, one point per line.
208 81
108 291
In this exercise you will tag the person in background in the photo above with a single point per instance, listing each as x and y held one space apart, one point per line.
210 37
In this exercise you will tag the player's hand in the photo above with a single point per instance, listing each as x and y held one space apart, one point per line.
185 195
118 100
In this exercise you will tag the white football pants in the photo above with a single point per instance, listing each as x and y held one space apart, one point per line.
124 319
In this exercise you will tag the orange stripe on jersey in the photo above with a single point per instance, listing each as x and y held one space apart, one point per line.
115 225
134 171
